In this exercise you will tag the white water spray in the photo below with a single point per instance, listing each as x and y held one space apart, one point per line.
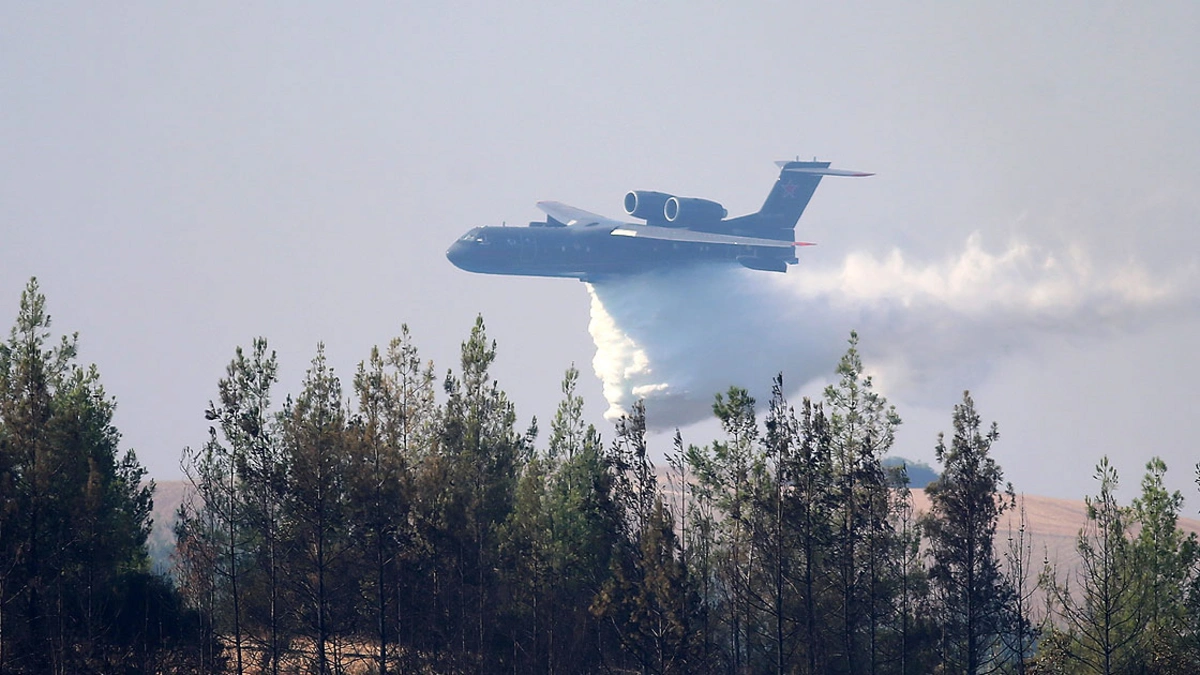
927 330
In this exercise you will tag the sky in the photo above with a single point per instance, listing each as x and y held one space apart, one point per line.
184 178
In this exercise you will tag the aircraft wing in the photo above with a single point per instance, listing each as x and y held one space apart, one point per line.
569 215
693 236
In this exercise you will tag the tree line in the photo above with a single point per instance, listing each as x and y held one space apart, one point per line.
387 527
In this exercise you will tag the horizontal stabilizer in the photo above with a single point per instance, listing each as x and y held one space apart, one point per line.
818 171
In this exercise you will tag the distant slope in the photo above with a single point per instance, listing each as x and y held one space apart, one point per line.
1054 524
168 495
920 474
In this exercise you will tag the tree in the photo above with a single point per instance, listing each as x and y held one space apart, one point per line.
1019 635
635 483
236 514
791 528
773 531
481 455
966 501
647 599
724 472
913 627
378 496
698 527
862 427
316 450
257 485
74 515
584 530
810 507
525 544
1105 615
28 372
195 561
410 419
1166 558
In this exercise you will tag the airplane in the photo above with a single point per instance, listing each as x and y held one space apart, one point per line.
678 231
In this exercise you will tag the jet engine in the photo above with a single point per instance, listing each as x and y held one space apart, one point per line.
645 204
686 210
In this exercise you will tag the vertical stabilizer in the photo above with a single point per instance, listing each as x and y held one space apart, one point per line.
791 193
787 200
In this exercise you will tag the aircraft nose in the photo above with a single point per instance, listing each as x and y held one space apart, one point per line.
456 253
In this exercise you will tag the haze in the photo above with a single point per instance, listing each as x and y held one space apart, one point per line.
182 179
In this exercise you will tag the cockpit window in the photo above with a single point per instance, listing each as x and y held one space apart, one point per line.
476 236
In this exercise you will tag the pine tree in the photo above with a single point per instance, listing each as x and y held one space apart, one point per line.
377 495
194 566
647 599
861 430
1166 558
482 455
635 483
411 421
912 625
1105 614
584 529
230 530
727 471
524 542
774 533
247 424
966 502
810 507
74 516
1019 635
316 451
28 371
700 548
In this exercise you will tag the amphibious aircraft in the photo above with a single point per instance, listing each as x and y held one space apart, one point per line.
677 231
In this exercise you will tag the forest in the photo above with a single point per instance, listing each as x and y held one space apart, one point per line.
404 523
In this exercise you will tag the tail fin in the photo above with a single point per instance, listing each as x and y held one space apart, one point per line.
790 196
791 193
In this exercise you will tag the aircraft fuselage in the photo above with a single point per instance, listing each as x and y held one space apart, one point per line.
591 251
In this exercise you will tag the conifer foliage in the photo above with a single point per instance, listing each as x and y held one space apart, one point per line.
384 527
967 501
76 591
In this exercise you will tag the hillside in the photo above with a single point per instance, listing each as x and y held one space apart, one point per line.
168 495
1053 524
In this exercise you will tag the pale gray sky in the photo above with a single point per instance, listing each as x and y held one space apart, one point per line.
184 178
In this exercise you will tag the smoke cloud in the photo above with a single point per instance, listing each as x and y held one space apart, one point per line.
927 329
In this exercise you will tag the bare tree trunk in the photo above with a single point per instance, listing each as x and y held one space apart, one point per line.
233 575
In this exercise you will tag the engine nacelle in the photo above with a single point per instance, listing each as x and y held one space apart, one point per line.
645 204
681 210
